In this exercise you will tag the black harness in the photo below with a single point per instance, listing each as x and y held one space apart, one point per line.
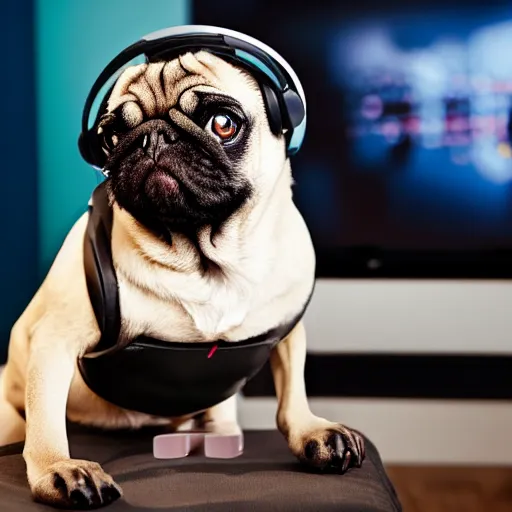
153 376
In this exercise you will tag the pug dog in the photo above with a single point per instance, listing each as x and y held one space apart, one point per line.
207 244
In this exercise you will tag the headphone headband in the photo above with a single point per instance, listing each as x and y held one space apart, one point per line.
283 93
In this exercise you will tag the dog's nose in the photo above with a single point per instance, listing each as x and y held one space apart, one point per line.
158 141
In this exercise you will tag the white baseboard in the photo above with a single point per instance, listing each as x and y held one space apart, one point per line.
411 316
412 431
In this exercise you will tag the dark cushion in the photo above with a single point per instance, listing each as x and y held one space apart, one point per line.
266 477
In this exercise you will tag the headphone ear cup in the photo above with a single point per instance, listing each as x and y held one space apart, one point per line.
83 147
88 144
97 153
273 109
295 110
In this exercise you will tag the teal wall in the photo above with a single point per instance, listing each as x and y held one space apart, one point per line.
75 39
18 204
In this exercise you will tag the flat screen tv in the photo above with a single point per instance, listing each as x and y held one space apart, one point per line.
406 170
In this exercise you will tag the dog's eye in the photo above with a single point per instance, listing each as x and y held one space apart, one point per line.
224 127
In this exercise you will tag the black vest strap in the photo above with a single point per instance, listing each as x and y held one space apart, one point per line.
99 269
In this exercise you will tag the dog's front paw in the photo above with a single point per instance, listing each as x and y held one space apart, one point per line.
76 484
332 447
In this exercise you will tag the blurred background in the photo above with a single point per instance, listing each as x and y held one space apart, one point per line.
405 181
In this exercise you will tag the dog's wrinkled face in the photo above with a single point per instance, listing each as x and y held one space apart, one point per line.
181 139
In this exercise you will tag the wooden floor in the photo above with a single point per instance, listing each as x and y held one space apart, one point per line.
447 489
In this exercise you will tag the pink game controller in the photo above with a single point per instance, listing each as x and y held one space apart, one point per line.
181 444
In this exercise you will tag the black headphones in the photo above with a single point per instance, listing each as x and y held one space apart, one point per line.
282 92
